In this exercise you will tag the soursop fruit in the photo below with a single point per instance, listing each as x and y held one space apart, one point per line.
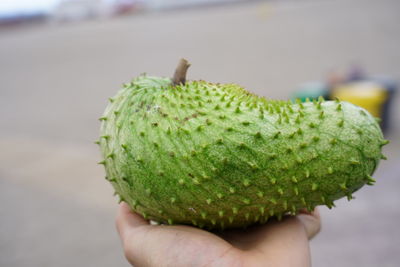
216 156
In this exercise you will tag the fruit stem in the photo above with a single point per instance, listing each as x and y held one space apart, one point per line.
180 72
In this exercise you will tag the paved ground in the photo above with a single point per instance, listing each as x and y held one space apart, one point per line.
57 210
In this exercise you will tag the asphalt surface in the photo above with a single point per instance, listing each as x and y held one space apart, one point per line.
56 208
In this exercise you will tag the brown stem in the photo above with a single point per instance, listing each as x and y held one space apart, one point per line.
180 72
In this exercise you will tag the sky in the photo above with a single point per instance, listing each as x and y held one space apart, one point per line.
18 7
10 8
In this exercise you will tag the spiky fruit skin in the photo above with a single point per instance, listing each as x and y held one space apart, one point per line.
216 156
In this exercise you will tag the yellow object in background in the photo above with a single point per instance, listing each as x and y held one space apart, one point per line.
368 95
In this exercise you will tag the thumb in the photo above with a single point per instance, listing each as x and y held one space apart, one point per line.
128 220
311 222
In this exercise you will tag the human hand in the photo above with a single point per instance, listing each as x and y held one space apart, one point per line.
275 244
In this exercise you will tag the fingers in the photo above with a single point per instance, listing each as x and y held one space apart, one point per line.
277 242
131 228
282 243
161 245
311 222
128 220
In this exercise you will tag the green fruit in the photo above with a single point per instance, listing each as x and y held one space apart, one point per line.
217 156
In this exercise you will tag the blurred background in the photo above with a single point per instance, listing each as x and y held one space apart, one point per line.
60 60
